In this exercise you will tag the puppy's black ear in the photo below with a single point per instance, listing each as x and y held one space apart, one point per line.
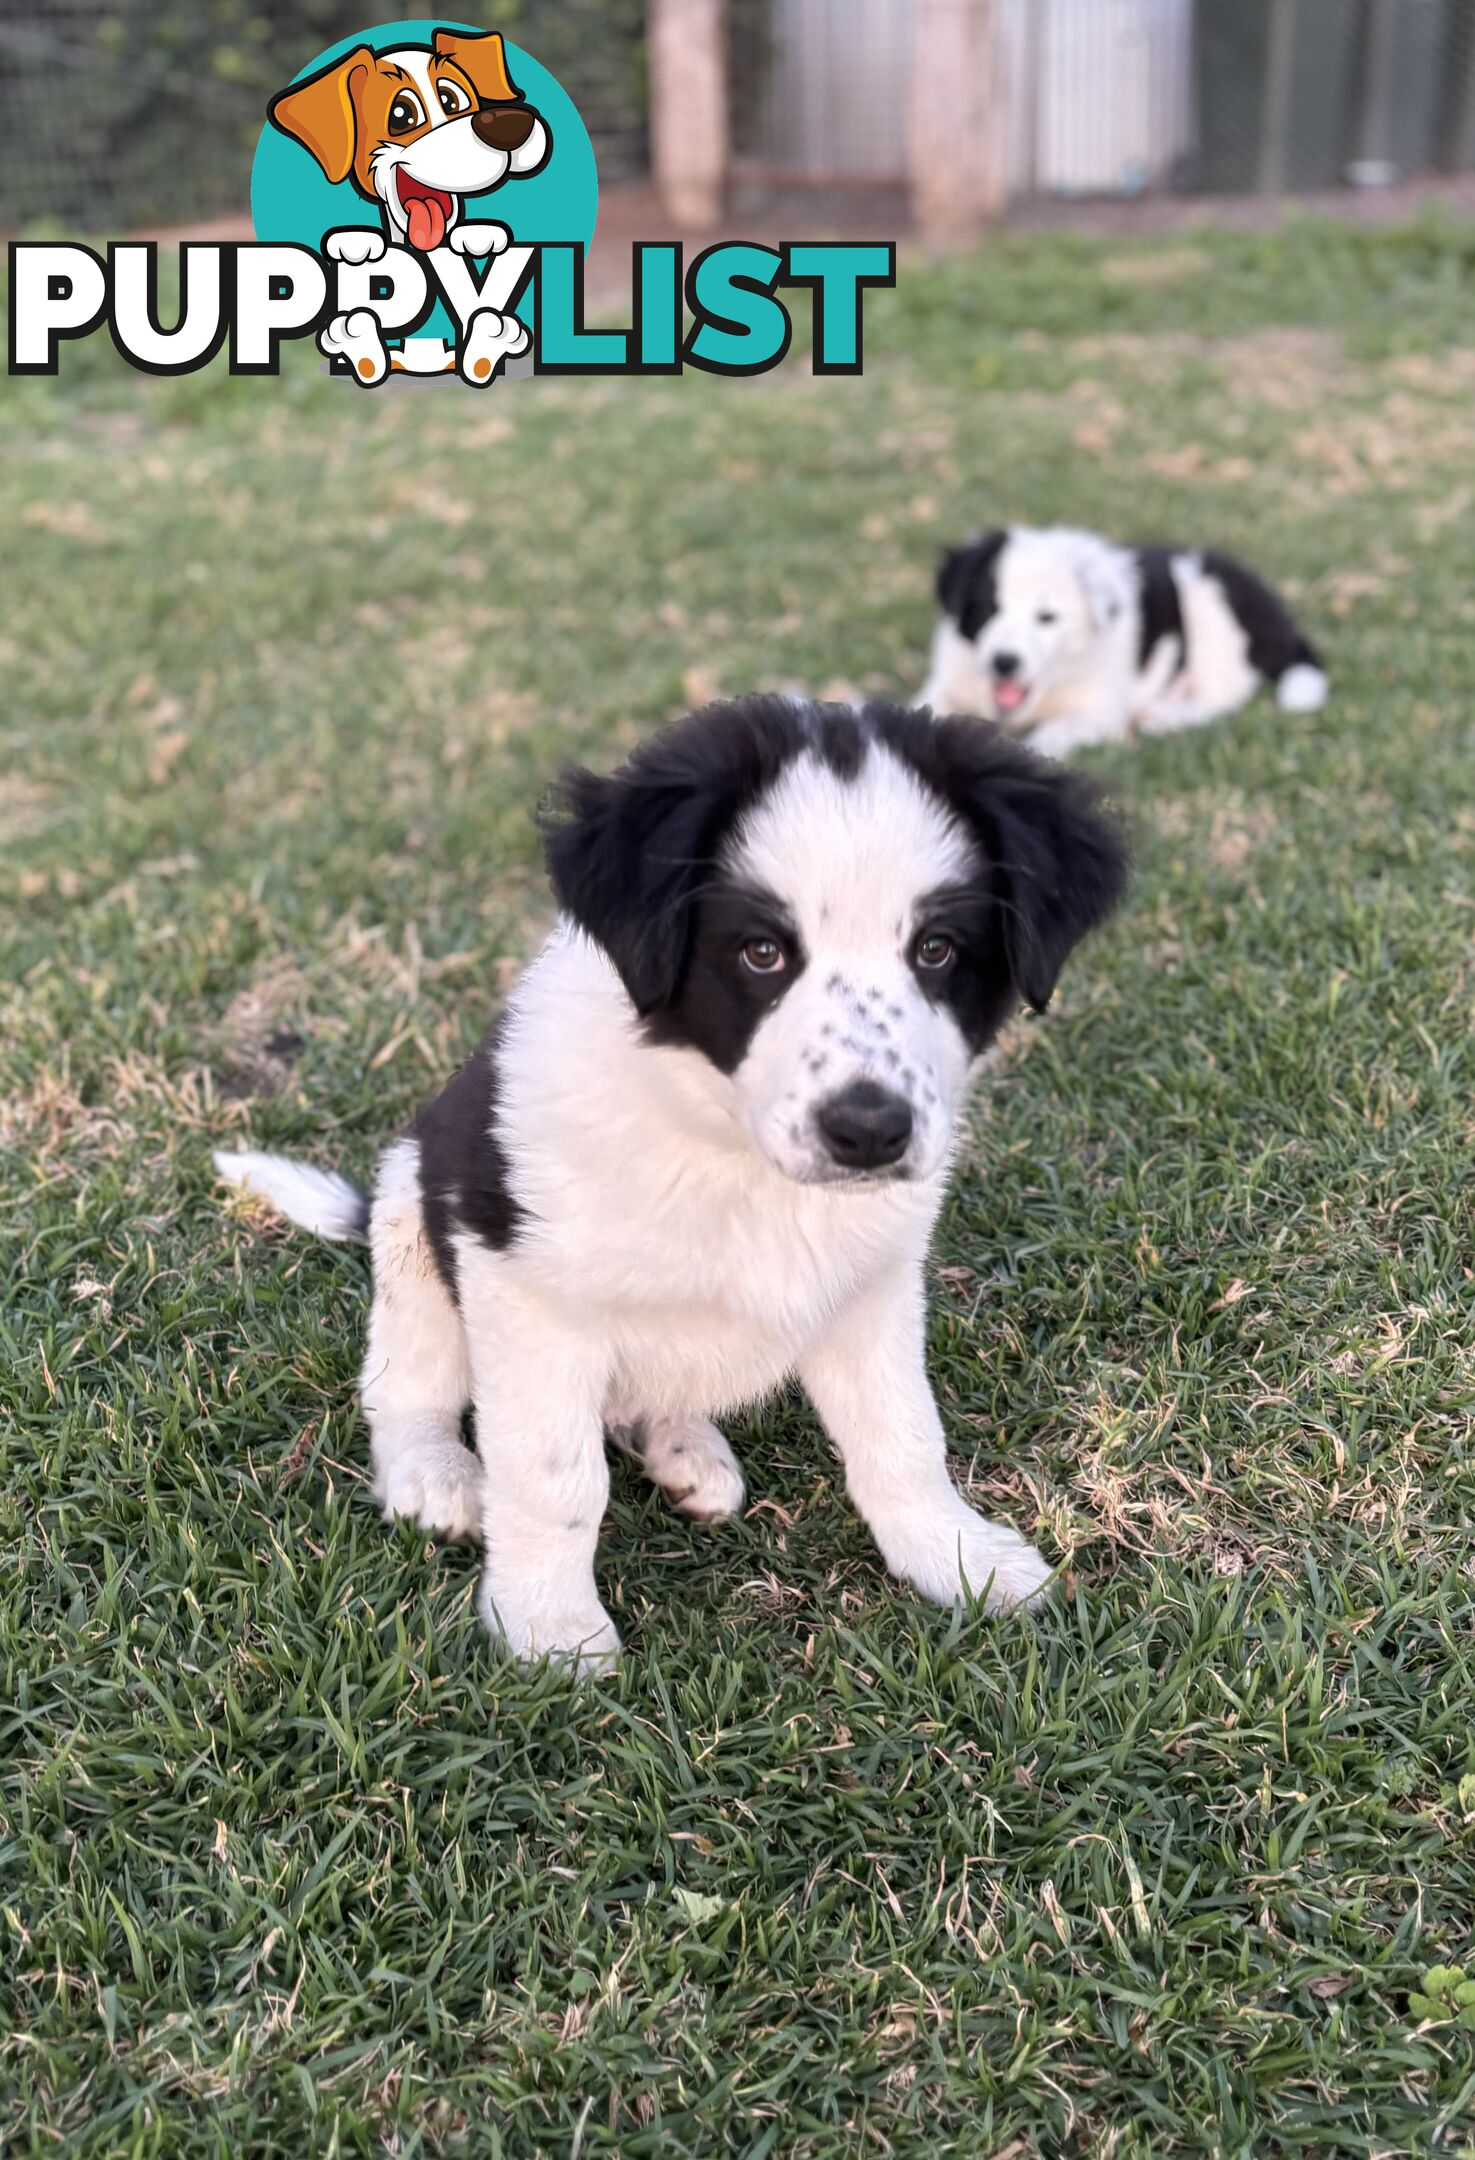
624 856
1059 865
629 854
966 584
1054 861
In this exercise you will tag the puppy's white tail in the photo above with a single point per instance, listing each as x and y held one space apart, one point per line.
319 1200
1302 688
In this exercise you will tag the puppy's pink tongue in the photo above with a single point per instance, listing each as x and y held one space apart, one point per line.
1009 696
427 222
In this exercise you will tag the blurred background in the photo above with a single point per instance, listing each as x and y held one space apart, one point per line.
934 115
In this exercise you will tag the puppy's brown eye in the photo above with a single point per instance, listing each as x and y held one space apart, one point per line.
453 99
405 113
763 956
934 950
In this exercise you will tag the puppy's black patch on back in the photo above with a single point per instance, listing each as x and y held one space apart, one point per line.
1275 643
463 1165
968 582
1161 609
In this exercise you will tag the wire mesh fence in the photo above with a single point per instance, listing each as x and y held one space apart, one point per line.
147 112
1115 97
121 114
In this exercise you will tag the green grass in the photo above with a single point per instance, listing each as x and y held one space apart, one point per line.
290 1862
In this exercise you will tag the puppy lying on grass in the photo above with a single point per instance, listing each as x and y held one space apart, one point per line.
704 1145
1069 639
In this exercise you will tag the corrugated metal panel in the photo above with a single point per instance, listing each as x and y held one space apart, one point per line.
834 104
1096 96
1116 96
1107 93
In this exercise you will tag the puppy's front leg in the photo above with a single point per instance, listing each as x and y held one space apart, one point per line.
538 1380
867 1378
1074 731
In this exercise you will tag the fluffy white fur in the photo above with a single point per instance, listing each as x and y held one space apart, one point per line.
319 1200
1067 614
684 1242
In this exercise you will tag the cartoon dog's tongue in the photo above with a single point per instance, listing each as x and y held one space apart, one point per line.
428 211
427 224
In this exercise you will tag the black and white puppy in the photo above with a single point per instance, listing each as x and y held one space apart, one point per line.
1071 639
704 1145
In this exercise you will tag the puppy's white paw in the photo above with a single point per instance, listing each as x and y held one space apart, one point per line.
951 1553
437 1485
694 1466
1302 688
356 244
490 339
478 239
550 1620
357 339
1059 738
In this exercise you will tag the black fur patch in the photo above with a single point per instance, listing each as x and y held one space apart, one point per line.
463 1166
1161 609
720 1001
634 860
630 854
1053 865
967 582
1275 643
977 986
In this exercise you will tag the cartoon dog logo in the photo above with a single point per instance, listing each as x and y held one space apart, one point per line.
417 130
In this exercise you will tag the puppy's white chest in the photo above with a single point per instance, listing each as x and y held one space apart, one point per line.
709 1305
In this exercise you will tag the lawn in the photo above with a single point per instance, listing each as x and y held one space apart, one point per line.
290 1861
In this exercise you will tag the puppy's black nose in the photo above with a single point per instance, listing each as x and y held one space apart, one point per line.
865 1126
1005 665
503 127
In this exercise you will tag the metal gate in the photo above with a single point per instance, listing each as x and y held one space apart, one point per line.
820 90
1116 97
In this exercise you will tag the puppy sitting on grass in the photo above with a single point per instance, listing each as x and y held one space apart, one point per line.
704 1146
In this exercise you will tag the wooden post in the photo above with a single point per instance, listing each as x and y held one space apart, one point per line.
1375 122
957 134
688 108
1275 123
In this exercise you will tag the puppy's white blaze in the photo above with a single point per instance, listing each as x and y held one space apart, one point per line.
850 856
319 1200
1301 689
852 859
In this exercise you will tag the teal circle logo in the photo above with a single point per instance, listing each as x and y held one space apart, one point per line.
440 138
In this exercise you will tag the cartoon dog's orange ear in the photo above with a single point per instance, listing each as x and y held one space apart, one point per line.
320 113
481 59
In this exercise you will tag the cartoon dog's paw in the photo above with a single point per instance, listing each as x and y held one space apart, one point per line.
357 339
491 338
355 244
478 239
